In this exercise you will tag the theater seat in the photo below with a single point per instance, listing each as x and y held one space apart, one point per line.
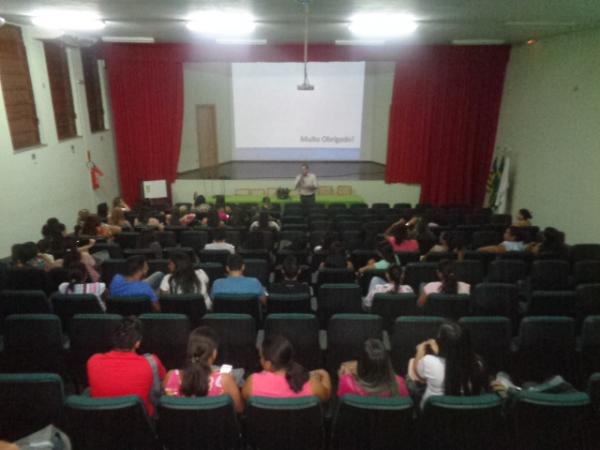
302 330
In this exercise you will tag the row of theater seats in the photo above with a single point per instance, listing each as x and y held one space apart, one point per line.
529 421
543 346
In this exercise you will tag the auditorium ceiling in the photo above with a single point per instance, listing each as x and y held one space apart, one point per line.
281 21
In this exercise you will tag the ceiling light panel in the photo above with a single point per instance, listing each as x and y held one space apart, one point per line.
67 20
222 23
382 25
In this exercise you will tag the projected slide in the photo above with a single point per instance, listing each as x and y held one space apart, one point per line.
273 120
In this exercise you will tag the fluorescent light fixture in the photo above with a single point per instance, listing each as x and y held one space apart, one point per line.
67 20
241 41
359 42
129 39
221 23
478 42
382 25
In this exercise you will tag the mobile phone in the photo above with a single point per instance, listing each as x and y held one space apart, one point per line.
226 368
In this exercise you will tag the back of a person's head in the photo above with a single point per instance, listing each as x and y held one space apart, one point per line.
199 200
77 273
399 232
396 275
16 253
29 251
515 233
525 214
201 349
183 279
337 248
134 264
279 352
91 224
464 373
102 209
263 220
447 271
218 234
117 201
386 251
374 369
290 267
235 262
127 333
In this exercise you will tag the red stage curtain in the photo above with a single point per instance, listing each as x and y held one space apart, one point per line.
147 105
443 121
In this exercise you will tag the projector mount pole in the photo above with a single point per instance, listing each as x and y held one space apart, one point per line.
305 86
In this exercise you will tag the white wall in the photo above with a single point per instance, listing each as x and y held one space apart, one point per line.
549 127
51 180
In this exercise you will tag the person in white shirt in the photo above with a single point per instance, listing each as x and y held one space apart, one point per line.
447 364
183 279
306 185
219 243
395 277
79 283
448 283
512 242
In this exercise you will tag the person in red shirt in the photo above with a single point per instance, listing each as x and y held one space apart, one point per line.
122 371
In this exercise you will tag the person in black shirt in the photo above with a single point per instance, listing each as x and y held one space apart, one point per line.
290 283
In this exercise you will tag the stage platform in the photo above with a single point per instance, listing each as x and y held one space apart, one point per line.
255 170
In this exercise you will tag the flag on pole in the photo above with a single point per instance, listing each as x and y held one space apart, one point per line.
497 185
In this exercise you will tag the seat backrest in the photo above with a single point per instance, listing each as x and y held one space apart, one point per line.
166 335
588 299
470 271
202 423
580 252
237 339
495 299
192 305
215 256
391 306
238 304
586 272
284 424
552 303
257 268
103 423
302 330
128 306
450 422
29 403
167 238
23 302
550 275
289 303
338 298
417 273
66 306
127 239
383 423
26 279
407 334
450 306
111 267
213 270
490 339
195 239
506 271
328 275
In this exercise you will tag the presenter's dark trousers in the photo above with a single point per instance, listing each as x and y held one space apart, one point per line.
307 200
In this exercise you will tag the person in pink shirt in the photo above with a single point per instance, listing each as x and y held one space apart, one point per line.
198 378
397 236
282 377
371 375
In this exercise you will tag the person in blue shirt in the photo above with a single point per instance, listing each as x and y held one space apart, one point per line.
236 282
133 283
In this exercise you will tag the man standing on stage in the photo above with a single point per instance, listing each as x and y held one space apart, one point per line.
306 185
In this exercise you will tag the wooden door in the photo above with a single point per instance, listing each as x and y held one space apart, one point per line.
206 124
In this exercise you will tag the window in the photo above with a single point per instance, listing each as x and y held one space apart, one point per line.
93 91
60 88
17 89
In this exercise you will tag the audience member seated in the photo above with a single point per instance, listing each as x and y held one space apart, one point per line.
512 242
418 229
101 211
219 243
133 284
117 219
553 243
443 245
448 283
122 371
78 251
337 257
397 236
282 377
26 256
523 218
80 283
54 232
149 240
147 217
118 202
200 204
236 282
183 279
199 378
290 283
393 285
265 223
371 375
386 258
447 365
93 226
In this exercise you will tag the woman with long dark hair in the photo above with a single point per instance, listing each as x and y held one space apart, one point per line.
397 235
283 377
80 283
448 283
199 378
371 375
183 279
447 365
394 285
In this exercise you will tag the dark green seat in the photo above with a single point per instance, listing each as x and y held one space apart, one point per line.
590 346
23 302
166 335
346 335
237 339
470 271
257 268
128 306
552 303
418 272
490 339
66 306
192 305
238 304
203 423
284 423
373 423
108 423
458 423
392 306
551 421
450 306
496 299
302 330
289 303
29 403
407 334
338 298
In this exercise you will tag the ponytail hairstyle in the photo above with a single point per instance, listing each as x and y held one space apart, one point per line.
280 353
447 272
184 278
395 275
196 372
374 371
77 275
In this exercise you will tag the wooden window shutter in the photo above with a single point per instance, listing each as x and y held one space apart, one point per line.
17 89
93 91
60 88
